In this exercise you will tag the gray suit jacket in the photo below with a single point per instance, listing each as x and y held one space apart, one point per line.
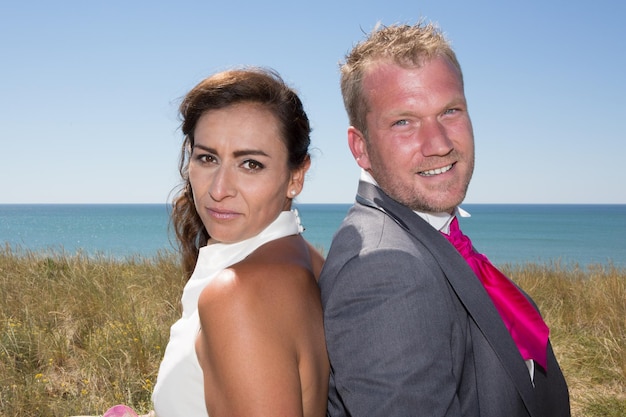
411 331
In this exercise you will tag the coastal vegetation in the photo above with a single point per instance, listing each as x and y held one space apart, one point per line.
80 333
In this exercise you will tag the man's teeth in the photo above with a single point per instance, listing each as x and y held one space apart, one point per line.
436 171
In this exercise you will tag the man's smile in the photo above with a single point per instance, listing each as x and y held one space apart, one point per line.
436 171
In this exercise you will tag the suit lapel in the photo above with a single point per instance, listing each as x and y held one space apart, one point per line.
463 281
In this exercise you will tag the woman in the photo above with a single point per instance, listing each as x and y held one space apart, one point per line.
250 341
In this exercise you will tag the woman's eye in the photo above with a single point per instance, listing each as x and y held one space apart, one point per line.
206 158
252 165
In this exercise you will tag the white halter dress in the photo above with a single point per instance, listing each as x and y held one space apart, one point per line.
179 389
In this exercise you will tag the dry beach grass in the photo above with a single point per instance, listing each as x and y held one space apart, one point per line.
79 334
586 312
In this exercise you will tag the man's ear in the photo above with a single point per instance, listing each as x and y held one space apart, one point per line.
358 147
296 183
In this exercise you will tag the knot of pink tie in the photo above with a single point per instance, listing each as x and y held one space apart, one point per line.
523 321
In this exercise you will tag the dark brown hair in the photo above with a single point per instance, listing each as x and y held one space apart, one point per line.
223 89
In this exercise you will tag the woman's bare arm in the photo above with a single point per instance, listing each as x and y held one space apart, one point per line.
254 320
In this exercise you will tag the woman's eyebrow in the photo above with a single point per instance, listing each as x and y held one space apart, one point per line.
246 152
236 154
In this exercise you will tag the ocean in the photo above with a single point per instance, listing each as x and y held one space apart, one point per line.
507 233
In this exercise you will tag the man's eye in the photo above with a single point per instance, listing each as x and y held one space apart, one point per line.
402 122
450 111
252 165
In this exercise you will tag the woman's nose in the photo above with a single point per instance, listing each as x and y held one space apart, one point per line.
222 184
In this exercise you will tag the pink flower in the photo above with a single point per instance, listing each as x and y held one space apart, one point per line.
120 411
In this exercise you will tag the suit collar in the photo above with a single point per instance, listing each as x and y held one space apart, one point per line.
469 291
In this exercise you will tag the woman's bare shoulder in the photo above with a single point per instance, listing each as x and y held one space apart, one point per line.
279 276
267 309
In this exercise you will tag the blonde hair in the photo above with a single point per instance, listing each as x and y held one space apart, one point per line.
404 45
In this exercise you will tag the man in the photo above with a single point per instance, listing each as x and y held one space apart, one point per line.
411 330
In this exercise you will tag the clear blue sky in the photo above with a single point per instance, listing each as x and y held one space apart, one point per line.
89 91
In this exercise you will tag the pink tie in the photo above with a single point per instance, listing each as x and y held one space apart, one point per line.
524 323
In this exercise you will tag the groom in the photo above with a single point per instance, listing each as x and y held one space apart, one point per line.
413 328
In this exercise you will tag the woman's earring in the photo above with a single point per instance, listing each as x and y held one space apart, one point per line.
293 193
